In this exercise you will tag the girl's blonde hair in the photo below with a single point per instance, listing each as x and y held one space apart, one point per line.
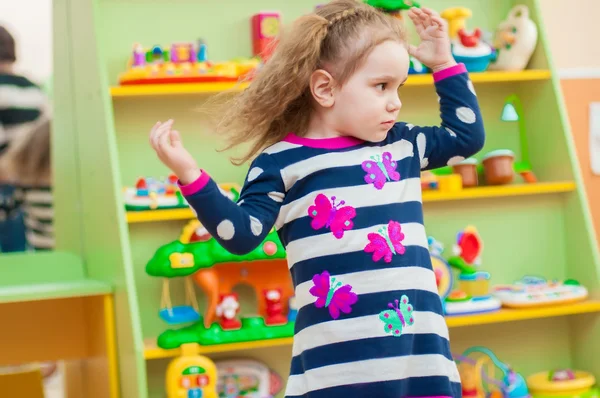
337 37
27 160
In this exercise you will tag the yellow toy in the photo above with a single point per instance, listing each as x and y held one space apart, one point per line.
191 375
562 383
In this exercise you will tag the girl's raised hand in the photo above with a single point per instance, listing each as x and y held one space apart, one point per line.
169 148
434 49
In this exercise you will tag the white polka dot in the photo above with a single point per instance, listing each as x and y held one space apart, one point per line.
225 230
452 133
240 202
422 146
410 126
255 226
465 115
277 196
439 99
254 173
471 87
455 160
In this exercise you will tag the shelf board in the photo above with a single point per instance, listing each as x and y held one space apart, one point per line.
53 290
500 191
428 196
413 80
151 351
510 315
159 215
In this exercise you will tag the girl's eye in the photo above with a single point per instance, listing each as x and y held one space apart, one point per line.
381 86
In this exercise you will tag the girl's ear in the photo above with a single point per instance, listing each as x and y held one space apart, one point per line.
322 88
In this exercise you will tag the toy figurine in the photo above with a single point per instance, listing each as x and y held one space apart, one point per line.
227 310
274 308
515 40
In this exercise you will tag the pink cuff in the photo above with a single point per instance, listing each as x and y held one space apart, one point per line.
449 72
195 186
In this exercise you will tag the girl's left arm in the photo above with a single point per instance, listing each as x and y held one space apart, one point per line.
461 133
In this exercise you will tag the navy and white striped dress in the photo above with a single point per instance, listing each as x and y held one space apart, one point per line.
370 321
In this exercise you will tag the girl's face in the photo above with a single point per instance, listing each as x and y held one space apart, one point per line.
367 105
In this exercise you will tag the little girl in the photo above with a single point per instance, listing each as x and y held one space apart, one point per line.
338 178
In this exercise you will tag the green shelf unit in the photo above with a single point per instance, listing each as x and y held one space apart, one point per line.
549 235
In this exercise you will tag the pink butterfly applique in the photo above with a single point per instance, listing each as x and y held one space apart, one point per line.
386 243
328 214
332 295
380 169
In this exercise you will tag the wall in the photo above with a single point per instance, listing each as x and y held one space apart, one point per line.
30 22
577 58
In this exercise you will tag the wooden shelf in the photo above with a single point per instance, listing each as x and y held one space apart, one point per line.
510 315
500 191
159 215
431 196
54 290
413 80
151 351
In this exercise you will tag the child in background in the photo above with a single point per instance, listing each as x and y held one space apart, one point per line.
27 164
339 179
21 102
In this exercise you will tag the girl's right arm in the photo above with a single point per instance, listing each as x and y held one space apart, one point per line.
240 227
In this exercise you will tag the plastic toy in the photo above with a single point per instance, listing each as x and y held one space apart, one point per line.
152 194
393 7
532 291
498 167
473 295
191 375
183 63
515 40
467 48
265 29
563 383
416 67
513 112
477 370
217 272
467 169
246 378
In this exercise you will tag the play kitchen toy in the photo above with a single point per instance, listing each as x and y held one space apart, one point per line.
533 291
515 40
498 167
467 169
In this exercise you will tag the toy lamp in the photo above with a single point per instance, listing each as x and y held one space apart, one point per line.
512 111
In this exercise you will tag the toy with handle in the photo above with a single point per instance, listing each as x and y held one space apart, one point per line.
515 40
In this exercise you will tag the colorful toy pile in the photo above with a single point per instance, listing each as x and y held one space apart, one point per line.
183 63
474 293
150 193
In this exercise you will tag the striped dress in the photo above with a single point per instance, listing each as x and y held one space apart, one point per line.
37 205
349 213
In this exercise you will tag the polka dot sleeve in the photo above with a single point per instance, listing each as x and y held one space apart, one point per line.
461 133
240 227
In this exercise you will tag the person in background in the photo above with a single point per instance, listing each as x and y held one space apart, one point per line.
27 166
21 102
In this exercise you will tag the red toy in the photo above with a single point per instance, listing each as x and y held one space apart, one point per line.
228 308
265 29
274 308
